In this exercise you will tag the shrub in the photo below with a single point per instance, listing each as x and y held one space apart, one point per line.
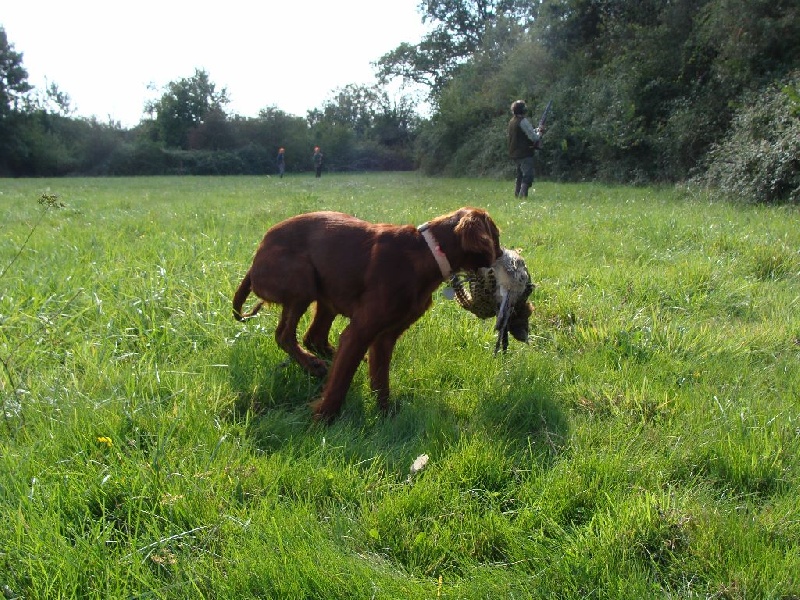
759 160
140 158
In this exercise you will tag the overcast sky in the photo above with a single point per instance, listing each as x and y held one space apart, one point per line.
290 54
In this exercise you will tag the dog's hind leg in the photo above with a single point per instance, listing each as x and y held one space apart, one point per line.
286 336
316 338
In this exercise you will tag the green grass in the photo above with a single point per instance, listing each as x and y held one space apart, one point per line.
644 444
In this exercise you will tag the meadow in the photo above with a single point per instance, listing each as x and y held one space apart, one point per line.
644 444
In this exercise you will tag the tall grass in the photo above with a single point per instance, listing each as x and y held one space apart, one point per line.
644 444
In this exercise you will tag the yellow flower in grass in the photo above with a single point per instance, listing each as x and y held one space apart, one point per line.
101 439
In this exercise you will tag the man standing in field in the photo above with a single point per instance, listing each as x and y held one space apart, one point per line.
317 161
523 140
281 162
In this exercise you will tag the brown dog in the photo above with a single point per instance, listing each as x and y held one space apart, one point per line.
380 276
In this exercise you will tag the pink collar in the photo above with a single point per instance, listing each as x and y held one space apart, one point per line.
436 250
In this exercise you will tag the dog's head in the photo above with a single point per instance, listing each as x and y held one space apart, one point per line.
518 323
477 238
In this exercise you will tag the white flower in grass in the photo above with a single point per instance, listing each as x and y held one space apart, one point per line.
418 464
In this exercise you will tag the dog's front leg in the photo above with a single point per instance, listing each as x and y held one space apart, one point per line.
380 357
353 344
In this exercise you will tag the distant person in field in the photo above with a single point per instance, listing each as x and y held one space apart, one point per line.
523 139
281 162
317 161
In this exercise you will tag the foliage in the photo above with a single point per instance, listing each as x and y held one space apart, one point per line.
460 27
13 77
51 144
13 87
186 104
753 51
258 140
187 131
644 444
641 90
359 128
9 403
467 134
759 159
50 101
353 108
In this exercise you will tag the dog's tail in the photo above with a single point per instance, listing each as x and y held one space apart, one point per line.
240 296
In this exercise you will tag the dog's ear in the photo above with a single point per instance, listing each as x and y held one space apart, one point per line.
478 233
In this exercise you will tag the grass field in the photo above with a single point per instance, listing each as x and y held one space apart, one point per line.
646 443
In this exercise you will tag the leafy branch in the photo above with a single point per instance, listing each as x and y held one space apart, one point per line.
48 202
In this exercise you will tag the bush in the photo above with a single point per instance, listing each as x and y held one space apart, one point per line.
484 151
140 158
759 159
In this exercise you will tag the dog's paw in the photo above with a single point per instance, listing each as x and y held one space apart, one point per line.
317 367
321 412
388 409
324 350
314 366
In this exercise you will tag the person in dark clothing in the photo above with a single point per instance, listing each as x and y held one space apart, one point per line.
317 161
281 162
523 139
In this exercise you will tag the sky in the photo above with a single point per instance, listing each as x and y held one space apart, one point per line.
112 57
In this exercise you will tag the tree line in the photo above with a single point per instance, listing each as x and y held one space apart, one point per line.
643 91
188 131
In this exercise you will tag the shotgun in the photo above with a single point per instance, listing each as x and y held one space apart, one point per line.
543 120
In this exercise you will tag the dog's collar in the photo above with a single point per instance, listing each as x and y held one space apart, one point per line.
436 250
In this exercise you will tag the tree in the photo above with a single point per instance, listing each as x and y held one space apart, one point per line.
184 105
336 138
359 128
642 89
459 32
394 124
214 132
13 88
353 107
52 101
749 40
13 77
